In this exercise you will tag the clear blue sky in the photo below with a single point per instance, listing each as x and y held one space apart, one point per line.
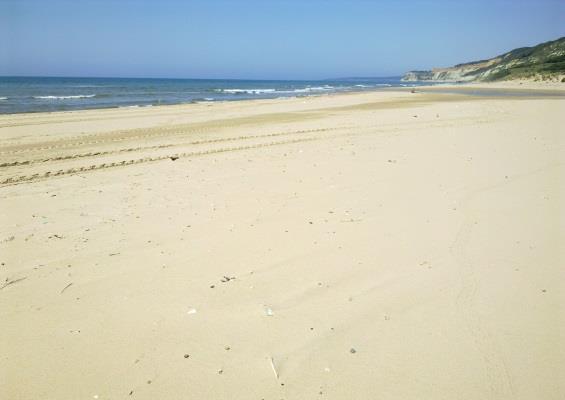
263 39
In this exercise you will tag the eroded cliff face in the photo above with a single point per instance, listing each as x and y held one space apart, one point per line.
546 60
414 76
459 73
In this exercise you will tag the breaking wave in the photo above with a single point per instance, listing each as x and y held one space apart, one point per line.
78 96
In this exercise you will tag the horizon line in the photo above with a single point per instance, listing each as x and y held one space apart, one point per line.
201 79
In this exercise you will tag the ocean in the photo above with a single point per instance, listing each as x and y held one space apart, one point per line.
36 94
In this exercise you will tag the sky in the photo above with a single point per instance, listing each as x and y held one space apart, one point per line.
263 39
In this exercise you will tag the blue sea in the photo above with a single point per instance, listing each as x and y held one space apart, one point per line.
31 94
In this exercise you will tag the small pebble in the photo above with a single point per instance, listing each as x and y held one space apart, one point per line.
186 355
352 351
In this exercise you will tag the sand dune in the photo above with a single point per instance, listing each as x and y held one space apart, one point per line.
388 245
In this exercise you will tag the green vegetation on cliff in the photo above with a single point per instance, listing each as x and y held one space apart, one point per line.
544 61
526 62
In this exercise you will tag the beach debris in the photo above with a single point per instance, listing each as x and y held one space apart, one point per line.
351 220
272 361
55 236
191 311
269 312
66 287
131 392
113 254
212 286
186 355
8 282
227 279
227 348
220 371
174 158
8 239
413 91
352 350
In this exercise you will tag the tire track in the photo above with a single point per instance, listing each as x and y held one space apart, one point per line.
133 134
94 167
203 127
195 142
498 381
118 136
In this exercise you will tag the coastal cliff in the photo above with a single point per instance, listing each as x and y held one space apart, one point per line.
545 61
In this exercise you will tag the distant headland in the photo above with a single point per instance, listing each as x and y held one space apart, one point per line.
546 61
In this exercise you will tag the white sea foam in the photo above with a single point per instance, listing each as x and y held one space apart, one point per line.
3 98
78 96
308 89
375 85
249 91
319 88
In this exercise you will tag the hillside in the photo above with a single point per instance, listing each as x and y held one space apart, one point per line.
542 62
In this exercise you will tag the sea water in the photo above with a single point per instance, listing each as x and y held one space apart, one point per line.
35 94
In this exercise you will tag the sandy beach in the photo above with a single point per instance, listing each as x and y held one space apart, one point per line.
378 245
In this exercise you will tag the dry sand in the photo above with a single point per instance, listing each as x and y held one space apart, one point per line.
387 245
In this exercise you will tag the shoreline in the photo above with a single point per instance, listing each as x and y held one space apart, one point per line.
533 87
